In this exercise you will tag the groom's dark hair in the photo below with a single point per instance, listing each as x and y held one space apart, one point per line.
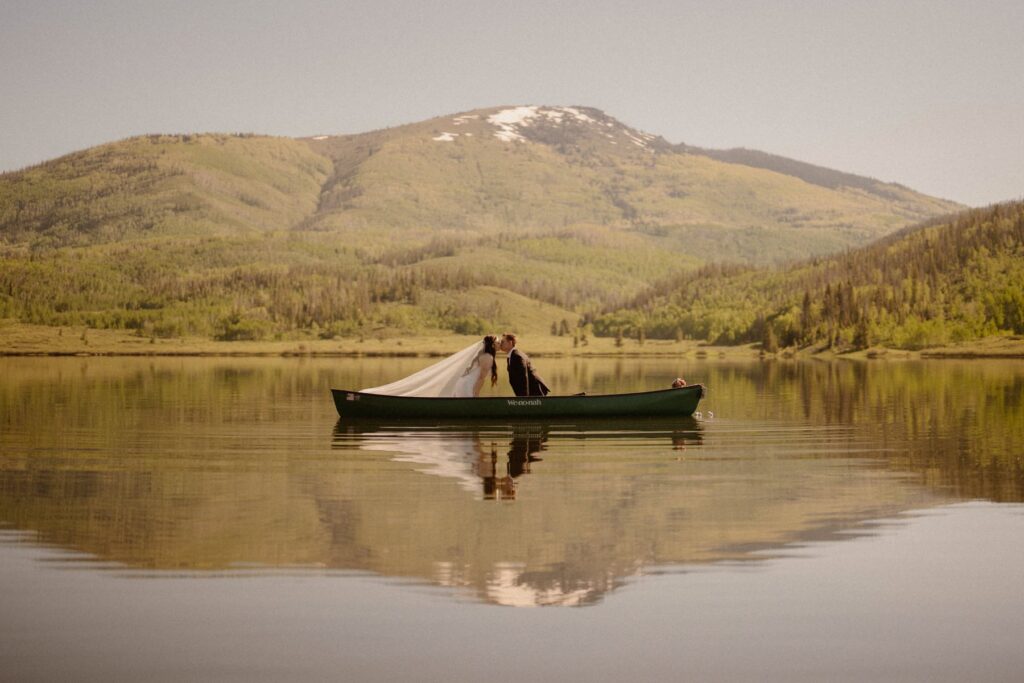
509 336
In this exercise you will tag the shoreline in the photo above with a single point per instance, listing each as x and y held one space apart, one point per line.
21 340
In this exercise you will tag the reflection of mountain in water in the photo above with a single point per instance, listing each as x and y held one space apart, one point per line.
216 468
607 502
488 462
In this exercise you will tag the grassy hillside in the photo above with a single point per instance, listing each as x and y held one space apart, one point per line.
949 282
160 185
578 168
515 217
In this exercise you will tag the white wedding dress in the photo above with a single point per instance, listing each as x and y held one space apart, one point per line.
453 377
467 382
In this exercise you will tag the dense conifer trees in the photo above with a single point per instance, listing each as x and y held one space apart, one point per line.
945 282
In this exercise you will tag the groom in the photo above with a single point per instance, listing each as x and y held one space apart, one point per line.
521 376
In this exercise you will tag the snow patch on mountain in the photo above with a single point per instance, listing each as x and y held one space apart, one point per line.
580 116
510 122
638 141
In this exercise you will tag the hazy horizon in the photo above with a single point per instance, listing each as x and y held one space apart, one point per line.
924 94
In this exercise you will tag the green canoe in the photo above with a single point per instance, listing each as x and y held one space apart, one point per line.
680 402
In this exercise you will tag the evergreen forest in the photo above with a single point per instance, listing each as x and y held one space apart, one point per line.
951 281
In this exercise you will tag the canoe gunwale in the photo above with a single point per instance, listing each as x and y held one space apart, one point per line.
679 401
626 395
703 390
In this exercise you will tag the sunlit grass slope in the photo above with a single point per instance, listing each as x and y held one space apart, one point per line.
160 185
451 174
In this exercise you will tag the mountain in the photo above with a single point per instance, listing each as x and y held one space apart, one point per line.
815 175
949 281
524 216
577 166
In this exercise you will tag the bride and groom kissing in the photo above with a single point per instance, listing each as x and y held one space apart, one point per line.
521 375
462 374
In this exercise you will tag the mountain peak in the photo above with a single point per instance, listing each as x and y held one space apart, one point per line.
512 122
544 124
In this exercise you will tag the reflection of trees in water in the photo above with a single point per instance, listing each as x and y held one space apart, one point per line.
604 509
960 425
210 467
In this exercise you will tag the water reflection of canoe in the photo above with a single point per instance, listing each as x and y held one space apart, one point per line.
568 429
489 457
680 402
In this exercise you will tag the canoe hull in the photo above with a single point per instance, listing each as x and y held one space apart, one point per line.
680 402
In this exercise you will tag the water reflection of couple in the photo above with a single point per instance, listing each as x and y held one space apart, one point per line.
462 375
524 444
463 456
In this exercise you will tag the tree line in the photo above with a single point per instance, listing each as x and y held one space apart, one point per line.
944 282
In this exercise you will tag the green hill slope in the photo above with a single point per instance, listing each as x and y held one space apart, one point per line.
947 282
444 224
541 169
159 185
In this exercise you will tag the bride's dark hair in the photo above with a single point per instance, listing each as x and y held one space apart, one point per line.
489 342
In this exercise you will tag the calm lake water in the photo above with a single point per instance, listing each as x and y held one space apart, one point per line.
208 518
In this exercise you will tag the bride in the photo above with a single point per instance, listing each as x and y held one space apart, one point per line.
472 379
458 376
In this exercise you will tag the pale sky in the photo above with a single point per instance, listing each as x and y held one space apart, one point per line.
929 94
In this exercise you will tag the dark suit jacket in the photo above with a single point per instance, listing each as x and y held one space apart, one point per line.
524 381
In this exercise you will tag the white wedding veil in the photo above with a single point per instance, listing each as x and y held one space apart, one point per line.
437 380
